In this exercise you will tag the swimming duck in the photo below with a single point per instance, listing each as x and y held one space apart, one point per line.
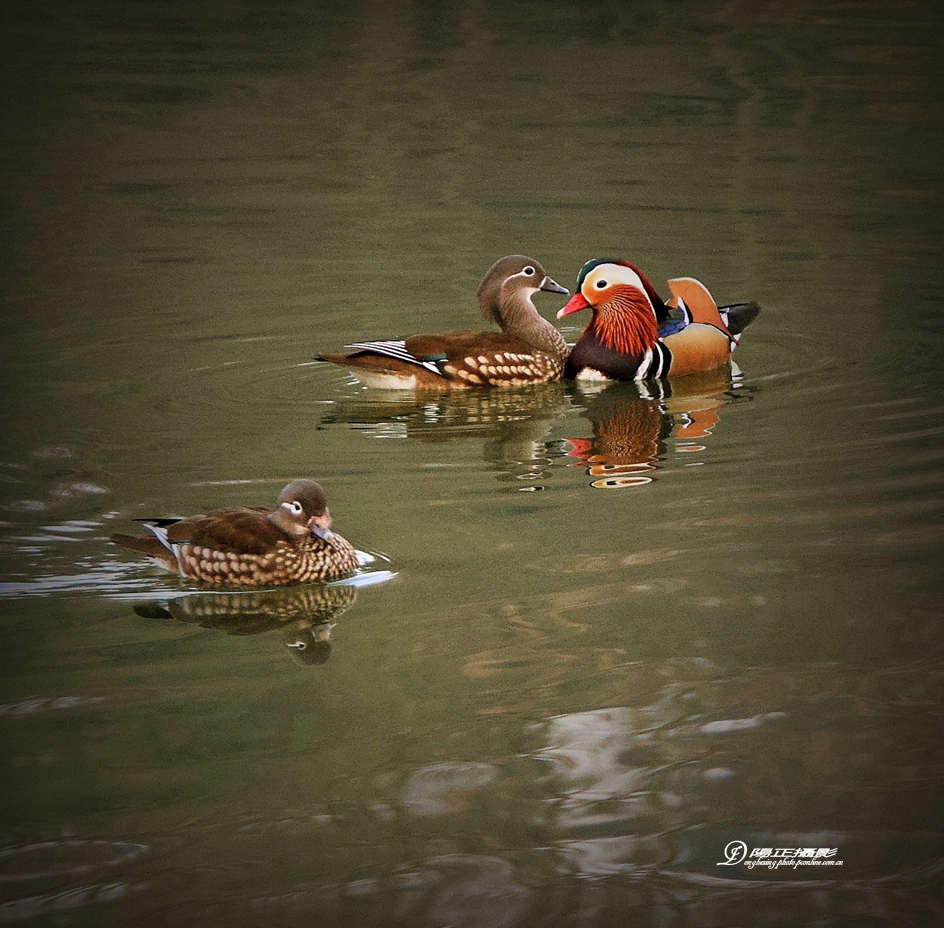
634 335
528 349
290 542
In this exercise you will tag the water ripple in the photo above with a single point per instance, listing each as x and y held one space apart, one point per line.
64 858
128 582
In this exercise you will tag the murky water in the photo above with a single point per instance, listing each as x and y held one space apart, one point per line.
663 656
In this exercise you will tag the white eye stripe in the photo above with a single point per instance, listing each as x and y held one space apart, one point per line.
528 271
294 507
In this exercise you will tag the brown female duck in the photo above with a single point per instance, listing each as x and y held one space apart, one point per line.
290 542
528 349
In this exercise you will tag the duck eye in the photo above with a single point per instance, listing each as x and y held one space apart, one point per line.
529 271
601 285
294 507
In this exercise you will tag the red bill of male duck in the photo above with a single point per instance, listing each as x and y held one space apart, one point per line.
527 350
290 542
634 335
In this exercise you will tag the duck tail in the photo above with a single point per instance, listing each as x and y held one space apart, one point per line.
738 316
144 544
732 319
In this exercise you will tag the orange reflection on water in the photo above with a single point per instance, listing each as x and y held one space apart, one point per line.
632 424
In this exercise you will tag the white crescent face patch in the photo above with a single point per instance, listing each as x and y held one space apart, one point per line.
605 276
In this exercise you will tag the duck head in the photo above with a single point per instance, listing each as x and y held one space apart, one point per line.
626 308
302 509
509 285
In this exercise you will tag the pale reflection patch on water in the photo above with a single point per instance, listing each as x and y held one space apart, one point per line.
672 779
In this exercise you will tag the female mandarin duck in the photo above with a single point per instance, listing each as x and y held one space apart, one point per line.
634 335
527 350
290 542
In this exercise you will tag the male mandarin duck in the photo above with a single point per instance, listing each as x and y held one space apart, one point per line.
527 350
290 542
634 335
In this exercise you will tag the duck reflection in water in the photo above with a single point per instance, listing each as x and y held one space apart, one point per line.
514 424
304 616
634 423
